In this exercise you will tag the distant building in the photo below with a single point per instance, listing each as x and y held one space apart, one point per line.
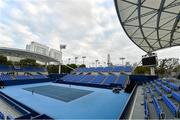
44 50
14 59
38 48
55 54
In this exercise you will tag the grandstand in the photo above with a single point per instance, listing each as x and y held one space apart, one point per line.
111 92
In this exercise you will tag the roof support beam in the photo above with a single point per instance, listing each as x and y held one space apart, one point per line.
158 20
174 28
140 24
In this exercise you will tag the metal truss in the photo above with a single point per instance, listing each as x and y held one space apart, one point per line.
151 26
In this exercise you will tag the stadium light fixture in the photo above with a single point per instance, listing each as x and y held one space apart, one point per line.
122 58
96 62
62 46
69 60
83 57
76 60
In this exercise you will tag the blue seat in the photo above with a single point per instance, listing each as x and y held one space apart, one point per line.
107 69
170 105
87 79
158 83
157 107
9 117
22 77
2 117
109 79
98 69
158 90
78 78
146 111
98 79
5 77
118 69
5 68
174 86
121 80
128 69
164 82
176 96
165 88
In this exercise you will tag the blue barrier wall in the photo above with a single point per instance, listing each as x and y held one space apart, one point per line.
140 79
27 81
56 76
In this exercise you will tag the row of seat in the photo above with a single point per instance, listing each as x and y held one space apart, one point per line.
157 107
165 88
21 77
146 110
167 101
170 105
176 96
2 117
97 79
106 69
6 68
169 84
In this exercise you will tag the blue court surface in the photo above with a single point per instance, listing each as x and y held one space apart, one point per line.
61 101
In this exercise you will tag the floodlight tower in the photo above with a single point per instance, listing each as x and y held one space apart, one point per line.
69 60
122 58
96 62
83 57
61 61
75 60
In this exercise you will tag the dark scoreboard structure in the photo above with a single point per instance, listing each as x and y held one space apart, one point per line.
149 60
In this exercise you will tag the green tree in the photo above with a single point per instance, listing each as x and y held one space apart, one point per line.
3 59
166 66
142 70
53 68
82 65
26 62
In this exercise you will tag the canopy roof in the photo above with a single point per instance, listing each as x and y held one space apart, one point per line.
150 24
25 54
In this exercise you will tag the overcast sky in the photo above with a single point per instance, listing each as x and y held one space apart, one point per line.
88 27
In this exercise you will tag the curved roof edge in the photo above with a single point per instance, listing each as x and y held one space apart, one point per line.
14 52
147 51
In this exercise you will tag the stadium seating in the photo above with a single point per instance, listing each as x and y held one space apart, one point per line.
22 77
170 105
157 107
2 117
107 69
39 76
174 86
98 69
87 79
158 90
164 82
98 79
158 83
4 68
127 69
9 117
165 88
118 68
176 96
146 111
5 77
121 80
109 79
